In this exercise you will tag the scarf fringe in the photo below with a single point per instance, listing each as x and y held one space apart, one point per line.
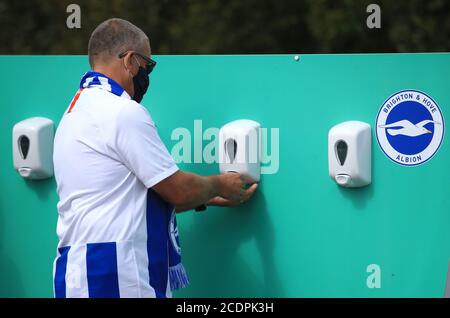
178 277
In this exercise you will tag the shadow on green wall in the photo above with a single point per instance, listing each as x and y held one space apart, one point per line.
10 281
215 248
42 188
359 197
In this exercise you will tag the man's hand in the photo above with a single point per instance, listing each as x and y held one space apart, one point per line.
219 201
236 189
186 190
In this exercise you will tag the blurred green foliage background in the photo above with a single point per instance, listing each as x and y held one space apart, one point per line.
232 26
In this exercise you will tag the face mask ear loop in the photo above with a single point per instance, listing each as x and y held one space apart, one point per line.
139 65
125 66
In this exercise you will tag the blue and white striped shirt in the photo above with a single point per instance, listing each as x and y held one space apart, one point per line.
111 225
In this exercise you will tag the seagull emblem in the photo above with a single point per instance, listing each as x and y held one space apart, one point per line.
407 128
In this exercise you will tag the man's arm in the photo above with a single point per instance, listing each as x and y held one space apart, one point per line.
186 190
138 146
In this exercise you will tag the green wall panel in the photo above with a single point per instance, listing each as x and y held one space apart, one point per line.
301 235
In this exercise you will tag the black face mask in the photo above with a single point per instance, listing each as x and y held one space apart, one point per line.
141 82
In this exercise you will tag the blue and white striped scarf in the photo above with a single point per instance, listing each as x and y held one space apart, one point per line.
95 79
163 244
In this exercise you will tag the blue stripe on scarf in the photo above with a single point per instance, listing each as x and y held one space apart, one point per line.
60 272
157 243
164 259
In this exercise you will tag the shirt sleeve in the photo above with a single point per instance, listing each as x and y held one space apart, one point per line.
138 145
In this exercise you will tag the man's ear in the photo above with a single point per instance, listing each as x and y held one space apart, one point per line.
128 62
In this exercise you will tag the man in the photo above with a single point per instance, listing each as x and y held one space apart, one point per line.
118 186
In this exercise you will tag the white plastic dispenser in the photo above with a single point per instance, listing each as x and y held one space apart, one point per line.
240 148
350 154
32 143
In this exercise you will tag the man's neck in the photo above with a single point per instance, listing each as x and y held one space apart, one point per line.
112 74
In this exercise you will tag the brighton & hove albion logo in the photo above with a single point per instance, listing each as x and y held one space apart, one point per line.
410 127
173 232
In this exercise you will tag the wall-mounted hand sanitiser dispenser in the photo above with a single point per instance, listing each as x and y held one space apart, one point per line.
240 148
350 153
33 148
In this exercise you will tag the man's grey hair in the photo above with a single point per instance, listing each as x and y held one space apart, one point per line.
113 37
